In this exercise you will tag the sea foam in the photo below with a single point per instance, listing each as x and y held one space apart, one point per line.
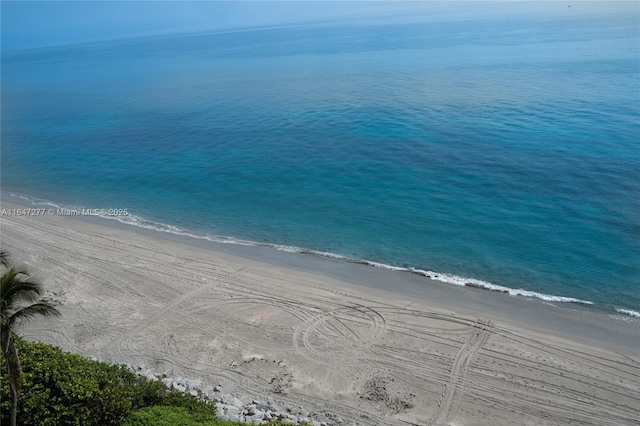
141 222
629 312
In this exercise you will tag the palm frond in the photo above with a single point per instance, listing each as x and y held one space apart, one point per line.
16 286
41 309
11 275
4 258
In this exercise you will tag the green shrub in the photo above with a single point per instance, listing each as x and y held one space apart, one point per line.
62 388
59 388
197 409
169 416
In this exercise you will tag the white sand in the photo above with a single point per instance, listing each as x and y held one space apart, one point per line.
306 339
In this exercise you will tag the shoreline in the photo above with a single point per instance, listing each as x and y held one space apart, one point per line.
250 248
325 334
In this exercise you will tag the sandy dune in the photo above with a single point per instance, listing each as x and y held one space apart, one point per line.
304 338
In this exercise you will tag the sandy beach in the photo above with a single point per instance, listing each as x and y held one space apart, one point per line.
372 346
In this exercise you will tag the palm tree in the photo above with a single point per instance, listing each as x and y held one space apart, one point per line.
20 300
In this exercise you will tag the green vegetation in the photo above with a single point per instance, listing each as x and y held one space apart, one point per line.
168 416
60 388
174 416
20 300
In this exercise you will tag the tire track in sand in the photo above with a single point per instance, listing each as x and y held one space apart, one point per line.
451 399
340 334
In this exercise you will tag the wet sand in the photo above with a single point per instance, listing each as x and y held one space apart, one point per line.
372 346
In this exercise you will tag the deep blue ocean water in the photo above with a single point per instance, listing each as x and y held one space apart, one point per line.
500 150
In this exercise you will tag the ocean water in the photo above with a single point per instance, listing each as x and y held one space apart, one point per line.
502 150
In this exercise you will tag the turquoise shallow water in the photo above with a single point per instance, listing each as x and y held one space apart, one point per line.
501 151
